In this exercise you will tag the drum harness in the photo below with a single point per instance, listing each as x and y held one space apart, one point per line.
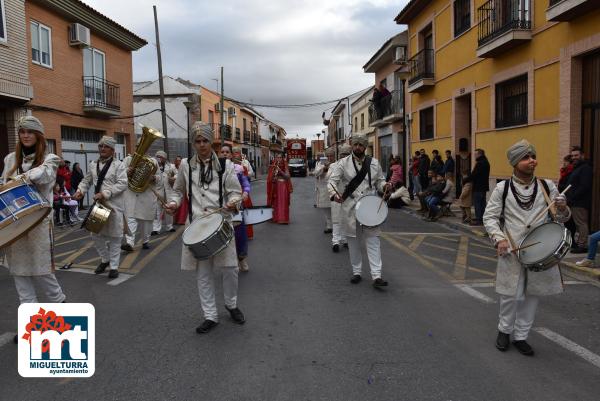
358 178
205 177
101 175
508 183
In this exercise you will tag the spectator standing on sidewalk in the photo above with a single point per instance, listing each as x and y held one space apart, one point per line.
414 170
480 177
579 197
565 173
424 164
437 164
463 164
592 250
449 164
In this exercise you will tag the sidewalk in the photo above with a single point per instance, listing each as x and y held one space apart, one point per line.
567 265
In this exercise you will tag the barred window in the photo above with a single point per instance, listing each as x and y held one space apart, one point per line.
462 16
511 102
77 134
426 123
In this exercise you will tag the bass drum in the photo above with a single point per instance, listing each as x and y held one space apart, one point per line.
552 242
207 236
371 211
257 214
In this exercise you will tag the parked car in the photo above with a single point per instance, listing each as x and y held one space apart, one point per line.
297 167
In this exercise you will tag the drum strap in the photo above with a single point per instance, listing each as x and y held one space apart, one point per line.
220 174
101 174
545 187
358 178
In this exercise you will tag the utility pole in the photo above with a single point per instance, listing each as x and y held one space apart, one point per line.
161 86
222 111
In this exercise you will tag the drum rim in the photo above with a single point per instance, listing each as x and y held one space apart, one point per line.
13 184
223 220
225 245
27 212
540 262
382 206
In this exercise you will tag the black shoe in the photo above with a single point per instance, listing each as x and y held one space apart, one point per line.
154 233
127 247
356 279
346 245
101 267
206 326
335 248
502 341
579 249
379 282
172 230
16 339
236 315
113 273
145 245
523 347
327 231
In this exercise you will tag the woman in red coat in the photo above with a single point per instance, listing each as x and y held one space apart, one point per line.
279 188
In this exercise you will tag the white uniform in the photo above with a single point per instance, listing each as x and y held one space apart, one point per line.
338 237
108 241
29 259
140 207
203 202
323 201
343 173
518 288
164 190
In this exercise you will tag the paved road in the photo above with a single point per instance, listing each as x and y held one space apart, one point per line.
310 334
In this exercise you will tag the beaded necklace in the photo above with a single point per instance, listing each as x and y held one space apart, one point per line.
525 202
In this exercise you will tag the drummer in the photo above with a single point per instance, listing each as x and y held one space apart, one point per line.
517 201
344 190
202 175
30 258
338 239
108 176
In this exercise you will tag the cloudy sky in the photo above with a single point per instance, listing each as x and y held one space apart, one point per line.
273 51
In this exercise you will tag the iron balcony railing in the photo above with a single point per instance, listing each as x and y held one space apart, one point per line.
246 136
497 17
98 92
388 105
421 66
554 2
238 134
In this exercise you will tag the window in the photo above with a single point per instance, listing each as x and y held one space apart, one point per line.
211 117
51 146
2 22
426 123
462 16
362 120
355 124
76 134
41 44
94 75
511 102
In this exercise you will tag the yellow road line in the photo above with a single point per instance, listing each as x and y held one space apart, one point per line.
470 268
487 273
445 238
154 252
94 259
71 240
484 257
460 265
439 246
76 254
416 242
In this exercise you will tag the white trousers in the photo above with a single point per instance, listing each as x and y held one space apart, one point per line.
517 313
373 252
206 288
145 227
26 288
109 249
327 213
338 236
158 219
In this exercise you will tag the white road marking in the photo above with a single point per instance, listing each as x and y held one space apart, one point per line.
474 293
6 338
78 270
482 285
121 279
564 342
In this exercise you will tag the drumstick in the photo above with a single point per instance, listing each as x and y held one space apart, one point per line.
213 212
526 246
382 199
160 199
543 212
336 191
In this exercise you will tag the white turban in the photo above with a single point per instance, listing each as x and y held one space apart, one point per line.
345 150
359 138
330 152
108 141
161 153
31 123
518 151
202 129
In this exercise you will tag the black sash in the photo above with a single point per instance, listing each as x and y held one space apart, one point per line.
358 178
220 174
101 174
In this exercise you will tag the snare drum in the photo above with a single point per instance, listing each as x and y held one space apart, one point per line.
207 236
257 214
554 243
96 218
371 211
22 207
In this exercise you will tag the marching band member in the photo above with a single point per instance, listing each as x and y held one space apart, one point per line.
167 172
140 208
29 258
108 175
321 174
337 238
199 180
354 176
516 201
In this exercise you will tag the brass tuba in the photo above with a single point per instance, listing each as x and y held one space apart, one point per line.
143 166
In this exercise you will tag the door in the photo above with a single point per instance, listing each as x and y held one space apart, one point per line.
590 127
94 76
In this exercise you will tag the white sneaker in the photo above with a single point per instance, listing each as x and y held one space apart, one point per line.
585 263
243 265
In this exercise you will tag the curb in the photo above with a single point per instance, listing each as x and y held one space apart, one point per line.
450 224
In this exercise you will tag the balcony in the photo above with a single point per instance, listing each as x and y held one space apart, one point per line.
503 24
566 10
391 109
421 71
246 136
101 97
238 134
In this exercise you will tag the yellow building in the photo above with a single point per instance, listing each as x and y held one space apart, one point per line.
493 72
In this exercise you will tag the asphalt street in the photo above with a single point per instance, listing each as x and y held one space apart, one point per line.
310 334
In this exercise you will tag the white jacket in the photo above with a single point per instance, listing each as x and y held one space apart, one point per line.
31 255
322 173
141 206
401 193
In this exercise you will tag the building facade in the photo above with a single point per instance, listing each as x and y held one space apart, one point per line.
361 120
485 74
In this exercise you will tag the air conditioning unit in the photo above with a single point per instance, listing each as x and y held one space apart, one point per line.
231 111
79 35
218 107
400 55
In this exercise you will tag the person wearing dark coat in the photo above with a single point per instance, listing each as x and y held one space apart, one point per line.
424 164
449 164
76 177
437 164
480 179
579 197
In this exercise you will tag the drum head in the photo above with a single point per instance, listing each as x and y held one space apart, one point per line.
27 220
368 211
550 237
257 214
202 228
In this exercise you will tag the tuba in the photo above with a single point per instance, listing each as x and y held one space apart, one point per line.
142 165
